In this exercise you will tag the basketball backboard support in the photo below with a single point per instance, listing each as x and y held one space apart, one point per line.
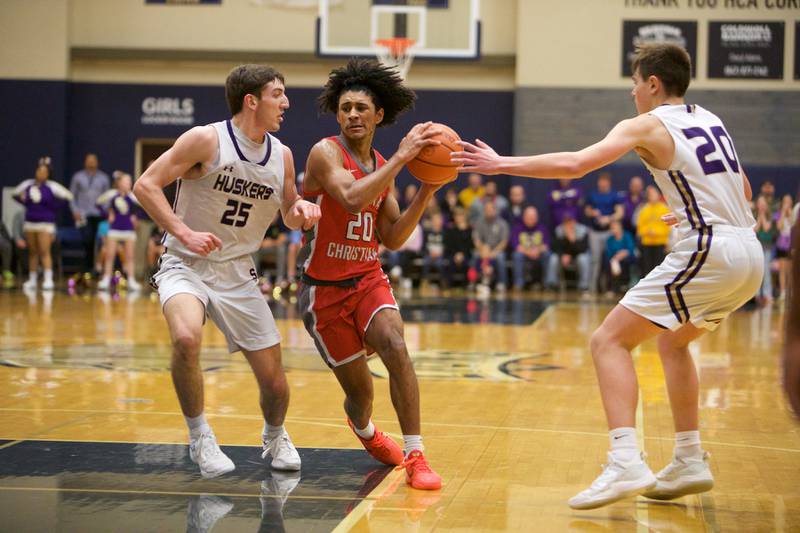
440 29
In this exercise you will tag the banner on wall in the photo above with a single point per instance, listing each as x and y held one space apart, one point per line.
745 50
797 50
167 111
638 32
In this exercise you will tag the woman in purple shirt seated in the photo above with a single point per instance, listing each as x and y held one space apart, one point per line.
42 199
121 205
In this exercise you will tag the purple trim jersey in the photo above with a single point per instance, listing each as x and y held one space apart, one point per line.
41 201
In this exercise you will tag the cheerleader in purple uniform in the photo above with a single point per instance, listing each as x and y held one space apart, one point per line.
121 204
42 199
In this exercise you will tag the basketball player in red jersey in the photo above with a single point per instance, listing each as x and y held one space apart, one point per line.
346 299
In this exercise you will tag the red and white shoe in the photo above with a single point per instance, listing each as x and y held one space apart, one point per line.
419 474
381 447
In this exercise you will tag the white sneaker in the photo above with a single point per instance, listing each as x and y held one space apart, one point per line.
104 283
206 453
30 285
618 480
48 285
682 477
204 512
134 285
284 454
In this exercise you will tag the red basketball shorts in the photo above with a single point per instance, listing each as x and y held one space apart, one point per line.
338 317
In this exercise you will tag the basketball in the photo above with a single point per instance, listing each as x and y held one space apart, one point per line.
432 165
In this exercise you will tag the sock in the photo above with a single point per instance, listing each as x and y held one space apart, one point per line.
411 443
687 445
32 276
197 425
270 432
623 444
48 275
367 433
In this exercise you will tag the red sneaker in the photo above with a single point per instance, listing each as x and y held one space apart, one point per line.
381 447
419 474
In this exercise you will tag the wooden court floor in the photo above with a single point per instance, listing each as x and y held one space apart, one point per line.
92 438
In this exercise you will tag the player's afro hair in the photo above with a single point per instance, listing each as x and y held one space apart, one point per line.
382 83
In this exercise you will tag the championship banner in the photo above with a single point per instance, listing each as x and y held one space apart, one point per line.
797 50
746 50
637 32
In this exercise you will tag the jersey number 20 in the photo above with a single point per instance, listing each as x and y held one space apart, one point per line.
236 214
706 152
363 224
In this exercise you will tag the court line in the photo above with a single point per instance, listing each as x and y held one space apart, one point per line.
12 443
176 493
642 514
332 423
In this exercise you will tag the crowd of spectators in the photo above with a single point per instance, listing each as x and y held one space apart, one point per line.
595 241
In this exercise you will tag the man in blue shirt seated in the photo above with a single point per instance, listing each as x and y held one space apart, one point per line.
620 255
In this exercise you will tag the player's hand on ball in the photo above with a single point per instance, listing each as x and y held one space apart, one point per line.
420 136
670 219
309 212
478 157
201 242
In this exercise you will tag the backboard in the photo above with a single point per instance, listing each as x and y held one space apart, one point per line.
440 29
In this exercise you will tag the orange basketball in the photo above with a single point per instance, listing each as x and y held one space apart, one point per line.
432 165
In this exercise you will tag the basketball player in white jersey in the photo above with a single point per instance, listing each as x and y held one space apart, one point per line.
233 176
714 268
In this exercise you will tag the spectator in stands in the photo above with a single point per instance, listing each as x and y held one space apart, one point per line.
473 190
767 190
565 199
632 200
433 249
155 247
767 234
448 204
120 239
273 247
783 244
530 243
398 262
6 256
570 251
18 238
431 209
490 236
490 195
652 231
516 206
458 247
620 254
602 208
409 192
42 199
86 186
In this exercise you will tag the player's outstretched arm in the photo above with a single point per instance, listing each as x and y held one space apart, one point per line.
324 169
296 212
624 137
394 227
194 148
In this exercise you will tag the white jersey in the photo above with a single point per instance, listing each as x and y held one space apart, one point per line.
238 199
703 185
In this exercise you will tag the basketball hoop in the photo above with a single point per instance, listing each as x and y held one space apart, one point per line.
396 52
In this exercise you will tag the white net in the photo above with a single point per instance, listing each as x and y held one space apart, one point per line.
397 53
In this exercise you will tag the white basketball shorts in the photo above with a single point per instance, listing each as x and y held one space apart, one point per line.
229 291
709 274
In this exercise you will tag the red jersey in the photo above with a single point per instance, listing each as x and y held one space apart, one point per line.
343 245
